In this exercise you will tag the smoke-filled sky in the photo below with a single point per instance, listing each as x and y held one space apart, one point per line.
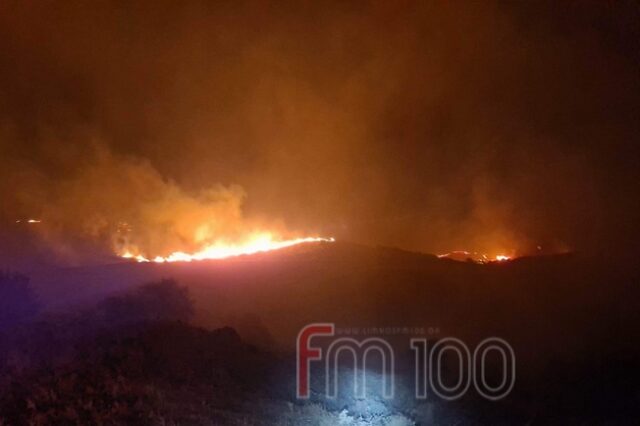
430 126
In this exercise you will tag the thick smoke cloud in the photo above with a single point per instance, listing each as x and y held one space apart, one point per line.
127 203
429 126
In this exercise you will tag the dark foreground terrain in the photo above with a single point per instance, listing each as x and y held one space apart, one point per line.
102 348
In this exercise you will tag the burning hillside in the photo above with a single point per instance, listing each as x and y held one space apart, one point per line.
467 256
291 165
256 243
123 205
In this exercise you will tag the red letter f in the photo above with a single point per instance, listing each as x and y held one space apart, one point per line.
305 354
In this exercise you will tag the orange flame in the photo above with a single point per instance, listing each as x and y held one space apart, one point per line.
463 255
257 243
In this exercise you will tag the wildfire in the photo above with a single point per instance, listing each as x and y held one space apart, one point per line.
462 255
261 242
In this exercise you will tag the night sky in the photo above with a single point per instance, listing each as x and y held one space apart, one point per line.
430 126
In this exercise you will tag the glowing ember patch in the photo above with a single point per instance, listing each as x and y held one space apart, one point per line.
260 243
463 255
453 253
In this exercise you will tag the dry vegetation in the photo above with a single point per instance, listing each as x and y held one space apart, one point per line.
134 359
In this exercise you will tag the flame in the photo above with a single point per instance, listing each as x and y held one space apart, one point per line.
260 242
28 221
463 255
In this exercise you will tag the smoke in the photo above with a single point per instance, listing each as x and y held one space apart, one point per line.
428 126
126 205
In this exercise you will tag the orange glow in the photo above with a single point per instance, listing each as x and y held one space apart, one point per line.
28 221
257 243
463 255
